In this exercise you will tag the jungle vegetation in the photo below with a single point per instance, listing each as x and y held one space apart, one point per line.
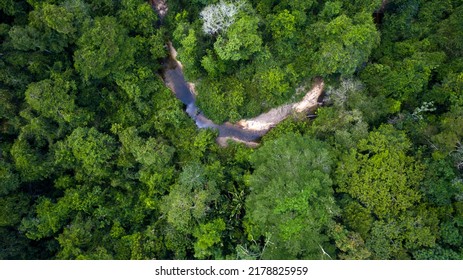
98 159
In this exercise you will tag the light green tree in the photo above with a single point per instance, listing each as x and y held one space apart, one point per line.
345 43
380 174
290 203
241 40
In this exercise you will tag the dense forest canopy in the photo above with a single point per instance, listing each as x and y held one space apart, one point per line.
98 159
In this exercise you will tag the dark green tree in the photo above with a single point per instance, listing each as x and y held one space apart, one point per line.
104 48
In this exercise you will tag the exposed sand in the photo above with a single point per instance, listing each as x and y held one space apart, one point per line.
271 118
310 100
262 123
173 54
192 88
267 120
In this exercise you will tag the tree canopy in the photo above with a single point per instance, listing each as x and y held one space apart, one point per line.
100 160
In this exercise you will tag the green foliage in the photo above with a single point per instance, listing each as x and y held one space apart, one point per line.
12 209
345 43
331 9
51 27
380 174
53 98
290 201
207 236
104 49
11 7
358 218
283 25
189 53
15 246
381 236
440 184
350 244
384 180
438 253
223 100
138 17
450 133
449 32
148 152
50 218
90 150
273 83
74 238
393 239
190 200
155 158
213 65
289 125
240 41
31 164
98 159
408 77
9 181
59 19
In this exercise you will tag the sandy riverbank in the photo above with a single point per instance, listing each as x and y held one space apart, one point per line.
249 129
267 120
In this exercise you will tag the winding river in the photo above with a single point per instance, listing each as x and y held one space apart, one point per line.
174 79
248 131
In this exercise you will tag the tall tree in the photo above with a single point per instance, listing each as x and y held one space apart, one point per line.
87 151
240 41
380 174
104 48
345 43
291 203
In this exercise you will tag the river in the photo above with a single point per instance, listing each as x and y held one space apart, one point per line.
174 79
248 131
